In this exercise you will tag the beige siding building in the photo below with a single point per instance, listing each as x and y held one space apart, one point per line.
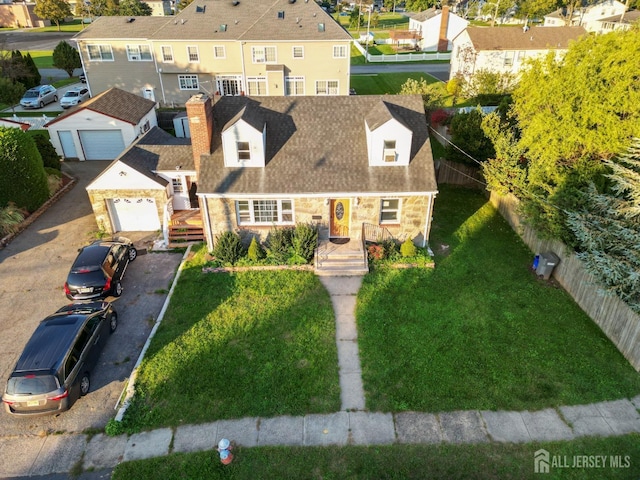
220 47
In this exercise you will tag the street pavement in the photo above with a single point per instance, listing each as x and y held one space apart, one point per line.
438 70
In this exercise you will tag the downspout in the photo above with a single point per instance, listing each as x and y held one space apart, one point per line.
83 69
244 73
427 222
159 72
207 222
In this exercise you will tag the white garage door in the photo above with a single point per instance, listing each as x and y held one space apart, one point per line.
101 144
134 214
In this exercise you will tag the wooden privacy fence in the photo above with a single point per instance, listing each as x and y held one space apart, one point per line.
458 174
612 315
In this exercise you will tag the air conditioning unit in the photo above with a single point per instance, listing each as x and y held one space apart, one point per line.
134 58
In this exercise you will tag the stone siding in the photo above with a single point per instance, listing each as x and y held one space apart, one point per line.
98 199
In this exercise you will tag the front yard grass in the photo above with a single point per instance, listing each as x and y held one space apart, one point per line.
234 345
480 331
481 461
390 83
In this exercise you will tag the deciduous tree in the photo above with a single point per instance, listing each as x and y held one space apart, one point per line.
133 8
10 92
467 135
54 10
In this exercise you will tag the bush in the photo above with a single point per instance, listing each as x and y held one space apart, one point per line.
23 180
305 241
54 183
280 243
390 248
255 252
113 428
376 252
10 217
228 247
48 153
408 249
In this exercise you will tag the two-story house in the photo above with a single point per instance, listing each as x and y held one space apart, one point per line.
506 49
437 27
344 163
588 16
220 47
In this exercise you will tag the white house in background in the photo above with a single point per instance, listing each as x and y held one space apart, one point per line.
616 22
437 28
505 49
103 126
588 17
9 123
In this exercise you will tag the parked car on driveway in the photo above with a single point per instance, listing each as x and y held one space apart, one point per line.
38 97
74 96
98 269
55 366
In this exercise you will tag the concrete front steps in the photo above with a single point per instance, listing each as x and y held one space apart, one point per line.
340 260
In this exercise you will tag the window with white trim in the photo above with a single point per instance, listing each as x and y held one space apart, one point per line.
389 151
100 53
139 53
390 210
188 82
263 54
521 56
508 57
326 87
264 212
219 51
298 52
167 54
339 51
256 86
294 86
192 53
177 185
244 151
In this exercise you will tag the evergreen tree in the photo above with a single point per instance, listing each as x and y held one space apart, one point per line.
607 229
22 73
54 10
467 135
66 58
23 180
31 66
10 92
133 8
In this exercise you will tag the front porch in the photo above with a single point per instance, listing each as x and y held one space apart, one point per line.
341 257
185 228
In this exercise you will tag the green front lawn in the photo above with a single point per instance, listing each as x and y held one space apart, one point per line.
74 25
480 331
236 345
42 58
381 83
483 461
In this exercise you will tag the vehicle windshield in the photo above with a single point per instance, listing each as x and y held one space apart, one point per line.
72 94
31 385
31 94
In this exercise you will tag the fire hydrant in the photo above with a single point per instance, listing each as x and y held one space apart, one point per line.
224 448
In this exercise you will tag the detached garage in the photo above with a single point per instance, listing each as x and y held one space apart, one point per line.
102 127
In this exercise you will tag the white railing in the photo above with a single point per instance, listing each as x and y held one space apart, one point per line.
403 57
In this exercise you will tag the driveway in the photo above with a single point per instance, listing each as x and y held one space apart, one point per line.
50 107
33 269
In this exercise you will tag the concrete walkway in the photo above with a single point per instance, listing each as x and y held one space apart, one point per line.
44 455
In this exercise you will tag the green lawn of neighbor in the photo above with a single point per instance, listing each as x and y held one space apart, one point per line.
480 331
258 343
381 83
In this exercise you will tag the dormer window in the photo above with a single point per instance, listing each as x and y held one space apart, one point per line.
389 151
244 153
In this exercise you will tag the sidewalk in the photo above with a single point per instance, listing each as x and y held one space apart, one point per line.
35 455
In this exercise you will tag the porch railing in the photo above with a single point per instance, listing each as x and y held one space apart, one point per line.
375 233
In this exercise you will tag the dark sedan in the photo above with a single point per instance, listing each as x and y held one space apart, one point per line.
99 268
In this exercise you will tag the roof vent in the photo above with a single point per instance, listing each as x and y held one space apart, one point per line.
223 27
292 1
131 20
200 8
182 21
281 14
235 3
321 27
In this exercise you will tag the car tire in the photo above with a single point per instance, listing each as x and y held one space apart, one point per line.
85 384
113 322
55 98
41 104
117 289
133 254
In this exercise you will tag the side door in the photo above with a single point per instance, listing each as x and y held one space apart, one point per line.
121 260
95 330
74 365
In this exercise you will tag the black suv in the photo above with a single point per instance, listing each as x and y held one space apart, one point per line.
98 269
54 368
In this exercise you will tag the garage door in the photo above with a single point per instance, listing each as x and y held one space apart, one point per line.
134 214
101 144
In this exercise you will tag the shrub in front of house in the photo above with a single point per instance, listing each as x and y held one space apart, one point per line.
390 248
279 244
255 253
10 217
48 153
408 249
304 242
228 248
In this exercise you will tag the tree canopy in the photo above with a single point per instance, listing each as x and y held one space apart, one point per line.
54 10
23 180
570 115
66 58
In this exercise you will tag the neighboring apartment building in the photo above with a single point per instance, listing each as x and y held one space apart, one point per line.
20 15
437 28
505 49
588 17
220 47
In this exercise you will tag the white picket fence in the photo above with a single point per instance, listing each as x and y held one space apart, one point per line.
403 57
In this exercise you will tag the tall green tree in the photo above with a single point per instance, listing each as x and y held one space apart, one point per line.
469 139
23 180
10 92
607 228
133 8
33 68
23 71
433 94
66 58
54 10
572 113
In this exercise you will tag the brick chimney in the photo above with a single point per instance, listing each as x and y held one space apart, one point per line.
200 114
443 42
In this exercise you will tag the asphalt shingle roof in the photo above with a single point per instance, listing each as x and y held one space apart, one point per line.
516 38
114 103
318 145
247 20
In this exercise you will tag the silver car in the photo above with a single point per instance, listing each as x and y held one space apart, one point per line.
38 97
74 96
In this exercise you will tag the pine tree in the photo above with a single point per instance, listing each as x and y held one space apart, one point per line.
608 229
66 58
